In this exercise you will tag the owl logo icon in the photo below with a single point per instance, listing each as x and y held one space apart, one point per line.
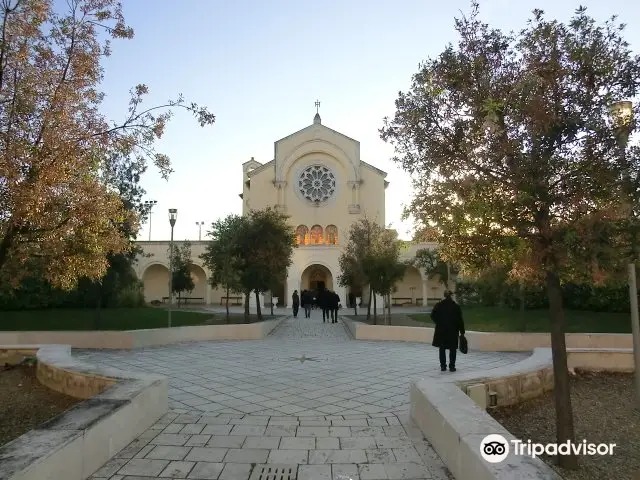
494 448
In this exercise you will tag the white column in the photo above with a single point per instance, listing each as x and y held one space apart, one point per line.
207 294
342 293
293 283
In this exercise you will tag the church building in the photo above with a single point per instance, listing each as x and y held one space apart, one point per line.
319 181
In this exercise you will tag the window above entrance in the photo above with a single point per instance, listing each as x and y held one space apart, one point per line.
316 235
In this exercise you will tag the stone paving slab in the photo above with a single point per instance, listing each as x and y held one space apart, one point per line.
346 457
307 396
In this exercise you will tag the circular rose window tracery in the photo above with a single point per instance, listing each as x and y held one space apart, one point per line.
317 183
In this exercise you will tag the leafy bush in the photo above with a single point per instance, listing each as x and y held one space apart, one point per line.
132 296
467 294
535 296
608 298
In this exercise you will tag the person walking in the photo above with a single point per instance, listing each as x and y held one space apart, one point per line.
306 303
296 303
336 306
323 303
447 315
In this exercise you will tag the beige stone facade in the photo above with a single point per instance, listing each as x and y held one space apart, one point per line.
319 180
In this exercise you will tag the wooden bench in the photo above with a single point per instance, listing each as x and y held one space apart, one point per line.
183 300
400 301
232 300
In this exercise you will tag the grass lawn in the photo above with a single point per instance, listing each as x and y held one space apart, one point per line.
110 319
495 319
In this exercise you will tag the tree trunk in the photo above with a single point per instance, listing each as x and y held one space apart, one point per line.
246 306
227 306
98 306
561 390
258 311
272 304
369 303
375 308
5 244
389 309
523 323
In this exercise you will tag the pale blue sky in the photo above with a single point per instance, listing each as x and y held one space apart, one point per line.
260 66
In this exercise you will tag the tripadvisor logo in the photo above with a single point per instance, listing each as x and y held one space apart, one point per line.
495 448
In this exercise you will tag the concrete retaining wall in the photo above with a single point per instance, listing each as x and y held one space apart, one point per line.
455 423
490 341
76 443
127 339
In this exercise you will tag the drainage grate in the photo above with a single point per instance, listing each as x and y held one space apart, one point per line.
274 472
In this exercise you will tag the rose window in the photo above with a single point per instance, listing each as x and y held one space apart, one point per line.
317 184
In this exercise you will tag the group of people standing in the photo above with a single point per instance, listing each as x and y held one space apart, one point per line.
327 301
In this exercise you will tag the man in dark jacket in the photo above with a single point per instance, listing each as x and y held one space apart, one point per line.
447 316
335 305
323 303
306 303
296 303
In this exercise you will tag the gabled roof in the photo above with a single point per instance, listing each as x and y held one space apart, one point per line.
375 169
261 168
321 126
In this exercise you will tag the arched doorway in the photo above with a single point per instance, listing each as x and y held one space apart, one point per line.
155 280
316 277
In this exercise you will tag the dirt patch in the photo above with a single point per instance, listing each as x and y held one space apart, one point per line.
26 403
603 413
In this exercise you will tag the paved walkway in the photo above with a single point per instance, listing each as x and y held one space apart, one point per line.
307 397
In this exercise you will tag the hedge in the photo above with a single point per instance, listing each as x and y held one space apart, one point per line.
608 298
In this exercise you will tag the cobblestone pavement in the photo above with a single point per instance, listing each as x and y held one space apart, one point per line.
306 396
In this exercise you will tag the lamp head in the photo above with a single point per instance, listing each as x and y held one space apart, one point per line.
173 216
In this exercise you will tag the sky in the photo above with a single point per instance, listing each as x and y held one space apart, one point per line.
260 67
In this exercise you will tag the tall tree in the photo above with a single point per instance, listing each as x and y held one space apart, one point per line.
55 207
264 250
434 266
351 274
221 255
353 259
383 266
181 280
510 142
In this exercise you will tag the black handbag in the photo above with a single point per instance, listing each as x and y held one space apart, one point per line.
464 346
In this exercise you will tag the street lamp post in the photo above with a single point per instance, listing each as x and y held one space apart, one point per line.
173 216
622 113
200 224
149 204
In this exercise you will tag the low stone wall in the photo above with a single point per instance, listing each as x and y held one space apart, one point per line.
601 359
455 423
127 339
76 443
490 341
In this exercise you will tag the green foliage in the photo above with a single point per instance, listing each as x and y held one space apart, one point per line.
612 297
434 265
509 140
182 281
382 265
356 251
221 256
250 253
